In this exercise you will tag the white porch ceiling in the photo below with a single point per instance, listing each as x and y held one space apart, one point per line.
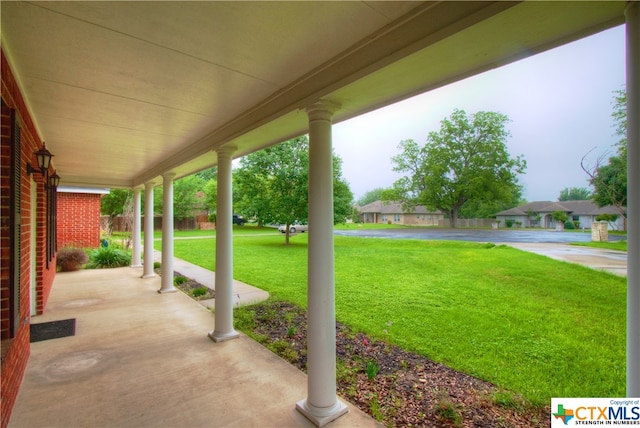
124 91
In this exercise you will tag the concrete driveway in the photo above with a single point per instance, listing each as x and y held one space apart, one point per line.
544 242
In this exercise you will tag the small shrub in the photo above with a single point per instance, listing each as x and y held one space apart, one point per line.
372 369
179 280
200 291
156 265
291 331
445 410
569 225
108 257
71 259
508 222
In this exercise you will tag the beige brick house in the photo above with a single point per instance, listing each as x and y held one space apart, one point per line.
392 213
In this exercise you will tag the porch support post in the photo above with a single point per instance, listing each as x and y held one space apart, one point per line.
148 230
224 250
632 14
135 256
167 234
321 405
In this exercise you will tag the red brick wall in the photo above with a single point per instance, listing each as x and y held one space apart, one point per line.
78 220
15 351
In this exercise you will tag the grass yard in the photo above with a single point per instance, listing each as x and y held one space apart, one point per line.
527 323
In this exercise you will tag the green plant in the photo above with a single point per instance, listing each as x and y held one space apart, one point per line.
372 368
179 280
508 222
156 265
71 259
569 225
291 331
445 410
198 292
107 257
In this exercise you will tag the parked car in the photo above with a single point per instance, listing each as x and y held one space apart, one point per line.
294 228
239 220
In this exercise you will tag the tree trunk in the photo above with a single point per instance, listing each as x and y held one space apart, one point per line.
453 218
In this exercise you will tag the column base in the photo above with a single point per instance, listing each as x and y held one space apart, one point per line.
321 416
221 337
148 275
168 290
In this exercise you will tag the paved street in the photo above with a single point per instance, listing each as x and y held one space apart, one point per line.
477 235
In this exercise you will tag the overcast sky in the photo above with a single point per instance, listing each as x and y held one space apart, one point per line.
559 103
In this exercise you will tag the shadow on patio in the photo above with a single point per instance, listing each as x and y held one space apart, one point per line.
140 358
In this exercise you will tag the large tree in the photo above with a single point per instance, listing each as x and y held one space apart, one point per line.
272 185
465 163
113 205
370 196
186 197
574 194
609 178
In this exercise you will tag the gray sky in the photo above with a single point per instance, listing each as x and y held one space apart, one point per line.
559 103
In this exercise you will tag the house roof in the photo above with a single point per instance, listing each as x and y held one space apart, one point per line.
393 208
584 207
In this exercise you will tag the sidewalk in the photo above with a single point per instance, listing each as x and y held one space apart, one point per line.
596 258
243 294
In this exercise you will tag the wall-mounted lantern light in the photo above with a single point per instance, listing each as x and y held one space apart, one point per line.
44 160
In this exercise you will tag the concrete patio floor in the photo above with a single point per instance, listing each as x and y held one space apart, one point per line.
139 358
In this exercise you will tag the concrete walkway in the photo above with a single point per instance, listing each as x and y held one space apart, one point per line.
243 294
597 258
143 359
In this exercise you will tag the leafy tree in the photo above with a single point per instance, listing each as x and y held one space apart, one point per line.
186 197
560 216
370 196
574 194
609 179
465 163
113 204
211 195
208 174
272 185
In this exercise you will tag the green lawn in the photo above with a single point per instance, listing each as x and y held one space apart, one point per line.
527 323
611 245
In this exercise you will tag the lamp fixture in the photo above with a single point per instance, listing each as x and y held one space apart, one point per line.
43 157
54 180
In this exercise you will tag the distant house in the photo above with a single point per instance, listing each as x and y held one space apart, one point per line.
392 213
538 214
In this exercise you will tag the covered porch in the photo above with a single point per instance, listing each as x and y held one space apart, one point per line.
143 359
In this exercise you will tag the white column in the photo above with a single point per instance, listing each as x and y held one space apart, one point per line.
135 256
167 234
632 14
321 405
148 230
224 250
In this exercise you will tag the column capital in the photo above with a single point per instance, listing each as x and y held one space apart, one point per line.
322 109
227 151
168 175
148 184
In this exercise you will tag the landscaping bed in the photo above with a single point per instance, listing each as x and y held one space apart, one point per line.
397 388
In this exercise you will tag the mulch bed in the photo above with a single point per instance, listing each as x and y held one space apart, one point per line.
397 388
408 389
